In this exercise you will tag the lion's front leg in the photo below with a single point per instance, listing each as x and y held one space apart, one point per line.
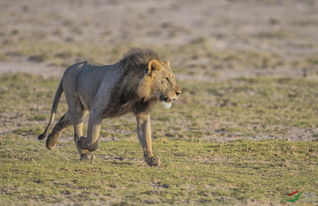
87 145
144 135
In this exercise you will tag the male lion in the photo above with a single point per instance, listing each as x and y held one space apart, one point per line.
134 84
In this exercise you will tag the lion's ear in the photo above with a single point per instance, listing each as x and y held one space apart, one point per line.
153 65
166 63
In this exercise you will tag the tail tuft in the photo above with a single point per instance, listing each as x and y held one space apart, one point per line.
56 100
42 136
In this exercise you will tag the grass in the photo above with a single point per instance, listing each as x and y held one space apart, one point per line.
233 109
201 53
206 144
192 173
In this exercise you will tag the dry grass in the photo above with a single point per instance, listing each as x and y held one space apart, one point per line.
244 131
194 170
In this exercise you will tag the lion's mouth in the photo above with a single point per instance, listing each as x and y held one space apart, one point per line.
166 105
163 98
165 101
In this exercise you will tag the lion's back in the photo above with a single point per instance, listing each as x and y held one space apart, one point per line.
93 79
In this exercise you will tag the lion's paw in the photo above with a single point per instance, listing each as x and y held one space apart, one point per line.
88 156
51 142
152 161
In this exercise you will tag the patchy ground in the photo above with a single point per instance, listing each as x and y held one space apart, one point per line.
244 131
238 173
254 109
202 141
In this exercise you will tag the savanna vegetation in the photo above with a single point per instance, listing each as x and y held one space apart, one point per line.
243 132
206 143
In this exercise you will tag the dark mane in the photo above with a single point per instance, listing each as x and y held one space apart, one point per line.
138 58
124 95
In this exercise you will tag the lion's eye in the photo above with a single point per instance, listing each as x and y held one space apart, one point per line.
165 80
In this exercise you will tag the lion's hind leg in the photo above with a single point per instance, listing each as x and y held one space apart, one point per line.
87 145
78 133
54 136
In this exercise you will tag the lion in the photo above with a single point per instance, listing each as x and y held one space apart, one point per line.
134 84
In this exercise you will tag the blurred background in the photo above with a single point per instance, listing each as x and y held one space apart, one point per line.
248 69
205 40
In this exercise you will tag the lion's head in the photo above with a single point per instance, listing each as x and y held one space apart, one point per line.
159 83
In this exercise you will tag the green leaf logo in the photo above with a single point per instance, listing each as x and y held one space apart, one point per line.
295 196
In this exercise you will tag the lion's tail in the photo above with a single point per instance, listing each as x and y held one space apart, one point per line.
56 100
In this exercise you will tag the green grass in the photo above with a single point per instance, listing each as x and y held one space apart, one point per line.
205 143
191 173
233 109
